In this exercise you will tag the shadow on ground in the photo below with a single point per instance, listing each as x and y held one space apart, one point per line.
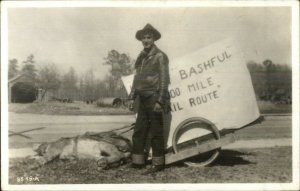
226 158
231 158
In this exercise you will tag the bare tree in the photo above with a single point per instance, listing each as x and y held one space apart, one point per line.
100 89
121 64
69 87
87 90
48 79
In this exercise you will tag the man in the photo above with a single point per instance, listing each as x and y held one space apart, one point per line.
150 85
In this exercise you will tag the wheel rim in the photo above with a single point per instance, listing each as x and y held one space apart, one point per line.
201 123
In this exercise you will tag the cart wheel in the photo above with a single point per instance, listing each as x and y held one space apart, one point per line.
199 122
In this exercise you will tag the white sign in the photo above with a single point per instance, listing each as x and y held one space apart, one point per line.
213 83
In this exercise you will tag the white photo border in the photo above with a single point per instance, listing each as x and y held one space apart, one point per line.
294 5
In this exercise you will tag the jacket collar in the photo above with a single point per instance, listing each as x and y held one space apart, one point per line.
154 50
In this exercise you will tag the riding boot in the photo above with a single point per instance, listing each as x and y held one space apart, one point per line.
138 161
158 164
154 169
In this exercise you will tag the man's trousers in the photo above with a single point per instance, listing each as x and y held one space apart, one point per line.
149 125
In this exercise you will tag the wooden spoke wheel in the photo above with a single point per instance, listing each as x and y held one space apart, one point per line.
203 159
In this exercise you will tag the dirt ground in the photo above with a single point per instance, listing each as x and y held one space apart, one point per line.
267 165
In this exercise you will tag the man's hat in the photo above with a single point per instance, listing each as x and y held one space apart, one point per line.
148 28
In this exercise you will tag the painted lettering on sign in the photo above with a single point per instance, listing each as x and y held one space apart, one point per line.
206 94
207 65
200 85
174 92
198 91
175 106
202 99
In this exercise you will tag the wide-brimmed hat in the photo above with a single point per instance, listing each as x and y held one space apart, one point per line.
148 28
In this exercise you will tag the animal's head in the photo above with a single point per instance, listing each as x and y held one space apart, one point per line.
40 149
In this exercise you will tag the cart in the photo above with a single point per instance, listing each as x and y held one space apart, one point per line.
206 147
200 151
212 96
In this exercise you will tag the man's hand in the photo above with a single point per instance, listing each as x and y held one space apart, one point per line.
157 108
130 105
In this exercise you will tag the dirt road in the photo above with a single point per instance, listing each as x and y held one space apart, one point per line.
59 126
274 131
274 126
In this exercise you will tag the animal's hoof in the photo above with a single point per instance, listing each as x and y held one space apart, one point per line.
102 163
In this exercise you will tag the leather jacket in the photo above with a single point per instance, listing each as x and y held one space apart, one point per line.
152 75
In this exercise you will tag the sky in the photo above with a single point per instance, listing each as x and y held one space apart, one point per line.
82 37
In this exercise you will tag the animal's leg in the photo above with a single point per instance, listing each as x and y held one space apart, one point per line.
68 151
38 162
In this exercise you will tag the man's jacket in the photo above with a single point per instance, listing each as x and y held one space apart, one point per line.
152 75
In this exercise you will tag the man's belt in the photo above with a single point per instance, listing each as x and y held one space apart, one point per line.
146 93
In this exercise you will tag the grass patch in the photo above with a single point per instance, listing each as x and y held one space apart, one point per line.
267 165
58 108
266 107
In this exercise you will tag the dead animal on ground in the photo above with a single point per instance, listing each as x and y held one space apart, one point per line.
107 148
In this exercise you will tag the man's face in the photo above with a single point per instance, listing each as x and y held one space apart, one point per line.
148 40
